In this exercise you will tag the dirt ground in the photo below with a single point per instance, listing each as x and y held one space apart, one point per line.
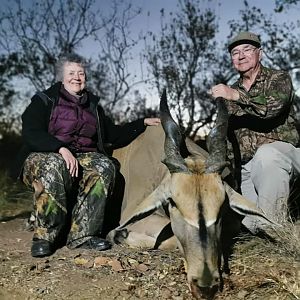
119 273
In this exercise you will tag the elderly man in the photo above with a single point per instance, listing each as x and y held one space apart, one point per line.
262 129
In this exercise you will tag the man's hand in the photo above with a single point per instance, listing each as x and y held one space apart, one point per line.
152 121
71 161
224 91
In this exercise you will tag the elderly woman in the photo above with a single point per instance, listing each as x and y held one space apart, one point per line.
64 160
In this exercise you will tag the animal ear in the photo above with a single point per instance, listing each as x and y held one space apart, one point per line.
242 206
150 204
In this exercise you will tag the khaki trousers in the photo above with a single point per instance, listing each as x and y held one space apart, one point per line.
267 179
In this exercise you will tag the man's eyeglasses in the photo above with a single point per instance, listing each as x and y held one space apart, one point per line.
235 54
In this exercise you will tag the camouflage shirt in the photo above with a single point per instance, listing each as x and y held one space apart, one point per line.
263 114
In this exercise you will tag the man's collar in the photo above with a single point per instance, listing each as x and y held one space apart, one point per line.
261 76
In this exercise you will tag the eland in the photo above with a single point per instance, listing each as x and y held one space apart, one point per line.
185 203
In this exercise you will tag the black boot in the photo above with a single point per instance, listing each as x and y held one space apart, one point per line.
96 243
41 248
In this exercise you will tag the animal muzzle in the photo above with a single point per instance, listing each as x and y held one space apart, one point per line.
204 289
207 292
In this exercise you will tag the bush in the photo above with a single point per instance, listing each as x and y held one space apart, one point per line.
15 199
10 144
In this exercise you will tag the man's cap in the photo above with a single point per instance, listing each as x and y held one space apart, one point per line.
244 37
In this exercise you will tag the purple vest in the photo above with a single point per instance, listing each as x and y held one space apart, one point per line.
72 122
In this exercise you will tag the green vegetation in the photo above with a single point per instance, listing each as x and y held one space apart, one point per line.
15 200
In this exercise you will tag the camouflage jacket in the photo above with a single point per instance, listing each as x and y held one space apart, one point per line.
263 114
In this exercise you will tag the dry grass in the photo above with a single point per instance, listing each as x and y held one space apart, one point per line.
262 269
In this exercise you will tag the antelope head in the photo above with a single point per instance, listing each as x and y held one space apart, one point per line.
197 196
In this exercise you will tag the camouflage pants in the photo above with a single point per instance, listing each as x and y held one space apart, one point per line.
61 201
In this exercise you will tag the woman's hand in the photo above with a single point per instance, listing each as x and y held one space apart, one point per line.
71 161
152 121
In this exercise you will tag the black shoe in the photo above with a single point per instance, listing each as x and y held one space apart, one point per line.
41 248
96 243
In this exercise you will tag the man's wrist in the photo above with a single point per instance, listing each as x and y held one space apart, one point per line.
235 95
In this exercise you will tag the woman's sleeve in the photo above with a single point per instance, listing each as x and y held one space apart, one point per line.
120 135
35 120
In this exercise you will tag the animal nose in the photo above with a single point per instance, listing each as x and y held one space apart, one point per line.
204 292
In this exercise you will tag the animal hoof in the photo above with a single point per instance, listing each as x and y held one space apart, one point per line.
118 236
